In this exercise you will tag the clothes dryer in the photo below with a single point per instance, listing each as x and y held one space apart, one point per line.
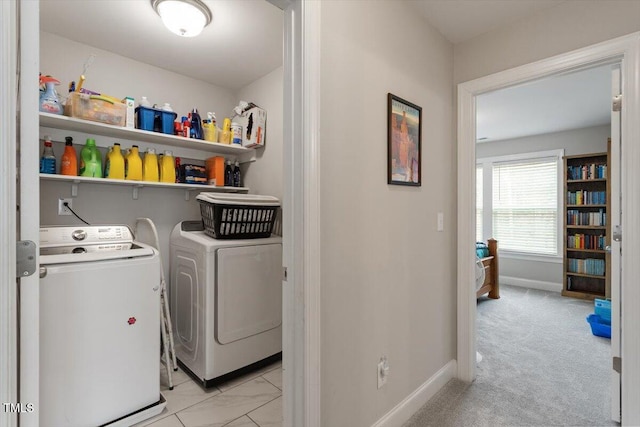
226 302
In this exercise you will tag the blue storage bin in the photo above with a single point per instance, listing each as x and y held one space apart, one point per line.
598 326
155 120
603 309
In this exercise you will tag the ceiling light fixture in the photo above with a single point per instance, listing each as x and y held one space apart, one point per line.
185 18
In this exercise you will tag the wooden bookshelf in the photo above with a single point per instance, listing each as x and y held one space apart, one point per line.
586 226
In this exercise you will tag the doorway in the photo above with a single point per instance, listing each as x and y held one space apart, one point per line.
623 50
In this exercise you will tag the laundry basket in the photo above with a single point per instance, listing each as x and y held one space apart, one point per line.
238 216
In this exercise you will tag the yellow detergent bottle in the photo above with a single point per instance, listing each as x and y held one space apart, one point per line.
167 168
150 170
225 136
133 165
114 167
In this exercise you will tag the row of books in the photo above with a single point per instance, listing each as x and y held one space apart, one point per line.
586 241
584 197
594 267
589 171
576 217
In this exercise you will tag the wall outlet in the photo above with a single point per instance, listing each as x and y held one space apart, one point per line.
62 209
383 371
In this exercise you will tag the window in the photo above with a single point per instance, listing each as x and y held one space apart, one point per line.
524 206
479 204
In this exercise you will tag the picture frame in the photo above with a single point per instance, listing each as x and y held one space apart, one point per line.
404 142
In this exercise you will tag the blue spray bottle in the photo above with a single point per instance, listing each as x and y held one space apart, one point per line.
196 124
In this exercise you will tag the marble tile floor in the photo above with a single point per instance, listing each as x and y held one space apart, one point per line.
252 400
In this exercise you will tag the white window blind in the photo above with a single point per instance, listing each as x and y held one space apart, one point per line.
525 205
479 203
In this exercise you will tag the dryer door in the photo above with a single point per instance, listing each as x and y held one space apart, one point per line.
248 291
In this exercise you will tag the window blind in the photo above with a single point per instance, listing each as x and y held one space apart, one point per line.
525 205
479 203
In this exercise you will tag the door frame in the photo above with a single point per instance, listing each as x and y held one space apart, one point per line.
625 50
8 230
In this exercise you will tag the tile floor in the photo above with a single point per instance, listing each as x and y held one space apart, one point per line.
252 400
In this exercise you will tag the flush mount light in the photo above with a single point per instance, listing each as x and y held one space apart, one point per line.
185 18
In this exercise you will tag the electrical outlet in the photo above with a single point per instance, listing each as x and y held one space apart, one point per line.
62 209
383 371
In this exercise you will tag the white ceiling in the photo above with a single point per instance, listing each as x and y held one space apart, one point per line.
570 101
461 20
245 41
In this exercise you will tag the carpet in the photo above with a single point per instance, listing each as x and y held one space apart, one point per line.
540 366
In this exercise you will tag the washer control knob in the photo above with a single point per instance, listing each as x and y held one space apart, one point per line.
79 235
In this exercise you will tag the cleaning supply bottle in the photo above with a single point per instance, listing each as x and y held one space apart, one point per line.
49 102
225 137
69 160
196 124
144 102
90 160
150 170
167 168
48 158
236 174
114 167
133 165
178 171
228 175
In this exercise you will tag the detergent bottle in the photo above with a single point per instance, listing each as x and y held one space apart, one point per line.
133 165
114 167
49 102
150 166
225 136
48 158
69 160
167 167
90 160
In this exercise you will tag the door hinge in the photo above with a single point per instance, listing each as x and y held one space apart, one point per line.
25 258
617 103
616 235
284 274
617 364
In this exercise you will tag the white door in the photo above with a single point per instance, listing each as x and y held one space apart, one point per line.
615 246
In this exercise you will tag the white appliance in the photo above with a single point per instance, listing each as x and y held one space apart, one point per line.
226 302
99 327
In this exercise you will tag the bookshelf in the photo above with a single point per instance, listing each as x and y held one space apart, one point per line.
586 226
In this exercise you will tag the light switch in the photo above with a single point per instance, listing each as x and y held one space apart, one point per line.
440 221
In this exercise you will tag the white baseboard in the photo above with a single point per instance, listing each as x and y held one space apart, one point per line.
532 284
404 410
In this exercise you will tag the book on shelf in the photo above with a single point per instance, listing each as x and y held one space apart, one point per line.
584 197
591 266
577 217
588 171
586 241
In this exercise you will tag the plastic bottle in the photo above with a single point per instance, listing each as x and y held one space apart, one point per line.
225 137
144 102
150 170
114 167
178 171
167 107
236 174
186 127
69 159
133 165
236 133
228 175
48 158
90 160
167 168
196 124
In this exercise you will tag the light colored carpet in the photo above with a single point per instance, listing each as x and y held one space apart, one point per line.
541 366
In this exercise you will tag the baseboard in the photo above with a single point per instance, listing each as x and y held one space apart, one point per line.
404 410
532 284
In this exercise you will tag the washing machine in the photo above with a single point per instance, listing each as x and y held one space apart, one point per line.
99 327
226 302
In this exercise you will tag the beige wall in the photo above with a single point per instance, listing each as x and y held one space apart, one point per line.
571 25
388 278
